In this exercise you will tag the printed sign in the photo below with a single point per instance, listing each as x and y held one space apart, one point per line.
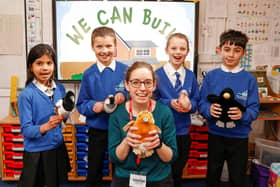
141 27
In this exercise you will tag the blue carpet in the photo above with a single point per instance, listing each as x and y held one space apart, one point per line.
186 183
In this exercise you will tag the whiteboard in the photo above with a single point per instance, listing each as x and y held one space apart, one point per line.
141 27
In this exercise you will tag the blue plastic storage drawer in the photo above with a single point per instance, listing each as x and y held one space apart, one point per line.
82 137
81 128
82 164
82 172
82 146
82 155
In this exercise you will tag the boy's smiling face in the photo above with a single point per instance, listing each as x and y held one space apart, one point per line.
231 54
104 49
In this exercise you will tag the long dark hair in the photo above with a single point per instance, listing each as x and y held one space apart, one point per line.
36 52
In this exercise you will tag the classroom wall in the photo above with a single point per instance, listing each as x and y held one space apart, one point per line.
15 64
214 17
11 64
257 18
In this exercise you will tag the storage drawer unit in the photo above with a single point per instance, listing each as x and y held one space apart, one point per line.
11 150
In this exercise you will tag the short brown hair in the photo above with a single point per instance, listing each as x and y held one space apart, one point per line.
234 37
101 32
177 35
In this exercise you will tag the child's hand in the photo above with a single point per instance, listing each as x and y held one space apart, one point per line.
53 122
184 102
215 110
64 115
176 105
55 109
98 107
234 113
119 98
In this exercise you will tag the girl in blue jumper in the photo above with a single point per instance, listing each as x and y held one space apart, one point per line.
100 80
229 143
45 157
180 94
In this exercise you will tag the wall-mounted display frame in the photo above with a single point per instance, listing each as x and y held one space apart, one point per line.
142 28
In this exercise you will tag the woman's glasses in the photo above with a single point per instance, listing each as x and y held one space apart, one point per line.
137 83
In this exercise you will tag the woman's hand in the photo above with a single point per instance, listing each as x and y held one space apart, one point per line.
164 152
132 140
153 141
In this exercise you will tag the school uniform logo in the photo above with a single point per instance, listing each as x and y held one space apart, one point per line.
243 95
120 87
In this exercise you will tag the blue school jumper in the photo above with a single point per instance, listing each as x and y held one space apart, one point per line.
95 87
165 92
245 90
35 109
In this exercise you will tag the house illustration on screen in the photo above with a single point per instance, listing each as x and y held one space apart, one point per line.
134 50
128 51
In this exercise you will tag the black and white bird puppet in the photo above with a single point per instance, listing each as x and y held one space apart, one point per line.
109 104
226 100
66 105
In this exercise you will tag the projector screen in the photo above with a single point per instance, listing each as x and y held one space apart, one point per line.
141 27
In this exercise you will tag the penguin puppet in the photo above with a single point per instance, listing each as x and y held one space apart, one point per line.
66 105
109 104
226 100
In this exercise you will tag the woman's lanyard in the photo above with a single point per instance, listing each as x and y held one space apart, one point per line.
138 159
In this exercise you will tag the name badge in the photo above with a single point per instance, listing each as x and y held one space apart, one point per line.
137 180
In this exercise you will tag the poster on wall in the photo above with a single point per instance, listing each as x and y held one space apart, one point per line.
142 29
33 23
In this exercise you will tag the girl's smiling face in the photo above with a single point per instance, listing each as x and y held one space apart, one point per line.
177 49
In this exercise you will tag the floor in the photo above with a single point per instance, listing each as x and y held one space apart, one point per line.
186 183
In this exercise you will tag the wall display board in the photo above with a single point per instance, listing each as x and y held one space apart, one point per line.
260 21
142 29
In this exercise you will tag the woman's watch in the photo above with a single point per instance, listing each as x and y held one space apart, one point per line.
160 144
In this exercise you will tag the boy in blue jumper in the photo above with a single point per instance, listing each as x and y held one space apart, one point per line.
229 143
102 79
178 89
